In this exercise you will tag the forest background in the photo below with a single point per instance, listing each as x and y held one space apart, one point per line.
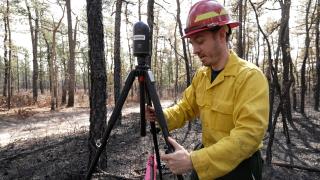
47 73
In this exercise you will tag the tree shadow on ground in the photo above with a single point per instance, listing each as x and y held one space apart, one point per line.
303 151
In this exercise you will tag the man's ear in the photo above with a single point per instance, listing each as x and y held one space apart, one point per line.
222 34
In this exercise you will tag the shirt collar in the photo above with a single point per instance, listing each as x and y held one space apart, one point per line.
231 66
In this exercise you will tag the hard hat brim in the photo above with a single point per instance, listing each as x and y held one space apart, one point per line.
189 34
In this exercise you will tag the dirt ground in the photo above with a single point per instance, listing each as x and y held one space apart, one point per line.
38 144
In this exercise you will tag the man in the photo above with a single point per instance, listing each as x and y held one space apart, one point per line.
229 94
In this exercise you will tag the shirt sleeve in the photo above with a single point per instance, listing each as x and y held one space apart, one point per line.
186 109
250 116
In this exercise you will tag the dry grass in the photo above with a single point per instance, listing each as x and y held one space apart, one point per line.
23 113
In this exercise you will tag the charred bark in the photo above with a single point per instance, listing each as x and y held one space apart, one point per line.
98 79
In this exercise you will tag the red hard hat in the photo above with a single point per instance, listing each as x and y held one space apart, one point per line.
205 15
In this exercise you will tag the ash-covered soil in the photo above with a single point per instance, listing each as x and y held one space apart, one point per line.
64 155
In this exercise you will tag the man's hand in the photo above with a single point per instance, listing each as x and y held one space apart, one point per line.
150 114
179 161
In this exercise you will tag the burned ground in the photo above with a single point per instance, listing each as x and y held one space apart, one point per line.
44 154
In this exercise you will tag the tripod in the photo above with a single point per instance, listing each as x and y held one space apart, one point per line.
146 87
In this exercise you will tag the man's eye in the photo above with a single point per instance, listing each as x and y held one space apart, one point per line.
200 41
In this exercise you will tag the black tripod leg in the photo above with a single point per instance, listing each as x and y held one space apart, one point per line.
156 147
112 121
158 109
159 113
155 139
142 106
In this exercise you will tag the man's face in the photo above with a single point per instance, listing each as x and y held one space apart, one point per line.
208 46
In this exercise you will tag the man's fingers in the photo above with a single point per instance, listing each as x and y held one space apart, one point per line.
174 143
150 113
165 157
150 108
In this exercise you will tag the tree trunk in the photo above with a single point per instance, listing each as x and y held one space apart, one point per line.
190 60
65 82
176 65
107 48
269 73
170 71
161 70
245 44
1 67
86 83
41 73
129 44
117 58
18 73
258 49
83 77
86 75
5 57
285 45
89 79
35 73
71 63
49 61
150 20
98 79
317 86
34 41
53 67
65 75
139 9
26 70
185 56
155 50
294 90
284 105
306 56
271 134
9 60
52 75
240 49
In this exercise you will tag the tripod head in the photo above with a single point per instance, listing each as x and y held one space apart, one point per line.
141 42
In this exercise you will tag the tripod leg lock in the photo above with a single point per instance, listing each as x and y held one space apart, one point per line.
98 143
151 77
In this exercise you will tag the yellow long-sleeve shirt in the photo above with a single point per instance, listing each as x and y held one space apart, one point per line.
233 110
